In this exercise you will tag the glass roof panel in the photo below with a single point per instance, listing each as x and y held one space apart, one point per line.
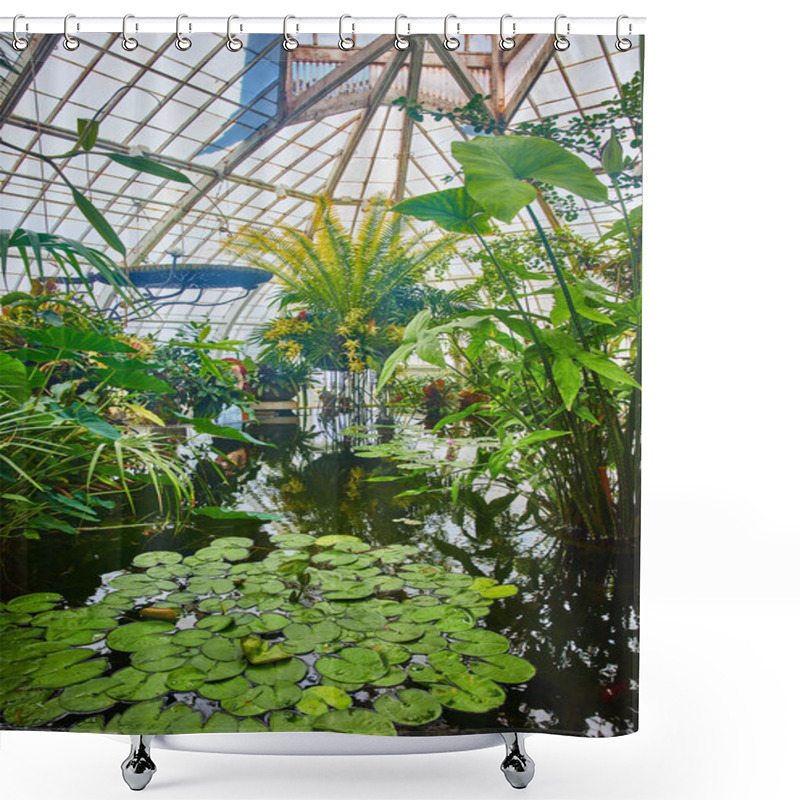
252 157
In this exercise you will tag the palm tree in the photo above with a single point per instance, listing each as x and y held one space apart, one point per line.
332 272
345 295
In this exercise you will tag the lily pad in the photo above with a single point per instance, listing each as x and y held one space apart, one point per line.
318 700
210 585
89 697
289 721
293 541
215 623
394 653
141 718
191 637
155 557
496 592
185 679
78 673
32 708
504 668
34 603
259 699
356 720
217 670
400 632
334 539
224 690
169 571
356 665
365 621
159 658
233 541
219 722
133 685
258 651
291 669
221 649
409 707
394 677
470 693
480 642
135 635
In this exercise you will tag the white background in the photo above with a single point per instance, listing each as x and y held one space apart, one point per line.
719 697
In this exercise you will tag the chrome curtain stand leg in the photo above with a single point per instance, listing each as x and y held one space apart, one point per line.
138 768
517 766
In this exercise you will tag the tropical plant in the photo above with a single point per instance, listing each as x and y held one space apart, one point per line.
374 622
58 473
279 379
344 296
202 381
565 413
586 134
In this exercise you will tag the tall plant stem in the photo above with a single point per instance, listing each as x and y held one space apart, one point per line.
531 327
635 255
559 277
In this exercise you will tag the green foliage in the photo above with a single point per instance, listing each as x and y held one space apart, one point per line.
564 411
349 294
383 623
197 369
86 141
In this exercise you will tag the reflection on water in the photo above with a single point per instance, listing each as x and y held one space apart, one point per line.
574 616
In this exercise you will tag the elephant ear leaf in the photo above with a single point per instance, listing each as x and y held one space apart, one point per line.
452 209
498 169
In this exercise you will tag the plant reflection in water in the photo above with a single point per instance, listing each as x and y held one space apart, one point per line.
573 616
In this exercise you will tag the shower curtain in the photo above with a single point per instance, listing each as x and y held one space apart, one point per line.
320 392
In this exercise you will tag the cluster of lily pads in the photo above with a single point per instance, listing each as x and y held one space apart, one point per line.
324 633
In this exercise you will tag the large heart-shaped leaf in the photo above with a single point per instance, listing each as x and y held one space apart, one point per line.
497 170
452 209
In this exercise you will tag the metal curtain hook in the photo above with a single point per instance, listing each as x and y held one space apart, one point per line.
233 44
451 42
181 41
346 42
623 44
128 42
289 42
400 41
561 43
507 42
70 42
20 42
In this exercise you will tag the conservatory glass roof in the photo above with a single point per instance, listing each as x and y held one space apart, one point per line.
261 132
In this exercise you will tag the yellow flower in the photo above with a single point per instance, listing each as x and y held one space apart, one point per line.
356 365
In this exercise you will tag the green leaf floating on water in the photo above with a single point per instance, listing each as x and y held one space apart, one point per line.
355 721
290 669
469 692
155 557
258 651
185 679
135 635
318 700
504 668
409 707
353 665
34 603
479 642
332 613
89 697
259 699
225 690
